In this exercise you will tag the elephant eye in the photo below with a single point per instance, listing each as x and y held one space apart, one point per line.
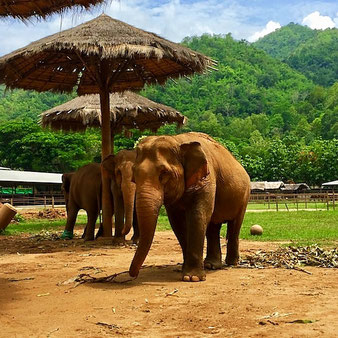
164 175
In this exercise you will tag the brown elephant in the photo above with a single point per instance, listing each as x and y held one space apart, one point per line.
120 168
82 190
202 186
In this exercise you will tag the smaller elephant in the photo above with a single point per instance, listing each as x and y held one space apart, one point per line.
82 190
120 167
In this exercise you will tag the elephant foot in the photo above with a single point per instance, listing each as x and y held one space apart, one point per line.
67 235
119 241
231 259
212 264
135 240
88 238
193 275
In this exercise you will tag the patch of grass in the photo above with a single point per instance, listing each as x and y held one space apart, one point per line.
36 225
296 226
299 227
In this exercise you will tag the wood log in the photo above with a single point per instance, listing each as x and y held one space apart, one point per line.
7 212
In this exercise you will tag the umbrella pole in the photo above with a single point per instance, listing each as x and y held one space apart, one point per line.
107 198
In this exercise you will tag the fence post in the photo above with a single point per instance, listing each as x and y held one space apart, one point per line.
333 200
276 202
327 201
53 202
268 200
45 201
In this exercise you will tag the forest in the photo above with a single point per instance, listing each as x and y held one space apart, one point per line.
272 103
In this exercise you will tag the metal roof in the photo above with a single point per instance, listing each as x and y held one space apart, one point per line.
295 187
330 183
24 177
267 185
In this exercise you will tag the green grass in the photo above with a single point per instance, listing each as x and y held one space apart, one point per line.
304 227
36 225
299 227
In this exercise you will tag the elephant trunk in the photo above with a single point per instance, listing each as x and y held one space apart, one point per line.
148 204
128 191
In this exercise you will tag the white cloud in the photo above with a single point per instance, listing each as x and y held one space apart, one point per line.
270 27
171 19
317 21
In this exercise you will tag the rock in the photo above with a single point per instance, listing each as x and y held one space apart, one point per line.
256 230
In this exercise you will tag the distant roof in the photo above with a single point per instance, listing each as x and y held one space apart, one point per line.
266 185
5 168
330 183
296 186
17 176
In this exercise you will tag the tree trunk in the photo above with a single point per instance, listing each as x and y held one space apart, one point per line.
107 198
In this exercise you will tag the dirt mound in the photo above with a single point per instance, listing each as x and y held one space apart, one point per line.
47 213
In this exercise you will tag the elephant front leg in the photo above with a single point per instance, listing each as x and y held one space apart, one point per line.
234 227
213 260
197 218
71 219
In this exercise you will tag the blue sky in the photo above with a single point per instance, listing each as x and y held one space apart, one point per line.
176 19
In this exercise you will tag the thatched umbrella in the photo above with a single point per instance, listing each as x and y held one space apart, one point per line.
127 111
98 57
25 9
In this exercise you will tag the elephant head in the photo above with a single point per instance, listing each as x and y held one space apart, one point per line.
164 170
120 168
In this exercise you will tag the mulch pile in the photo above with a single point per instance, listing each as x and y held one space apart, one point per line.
51 213
292 257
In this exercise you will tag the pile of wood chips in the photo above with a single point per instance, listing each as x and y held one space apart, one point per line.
51 213
292 257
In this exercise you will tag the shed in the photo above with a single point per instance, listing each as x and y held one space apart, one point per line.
296 187
266 186
15 178
330 185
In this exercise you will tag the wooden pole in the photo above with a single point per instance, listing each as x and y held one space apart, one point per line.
107 198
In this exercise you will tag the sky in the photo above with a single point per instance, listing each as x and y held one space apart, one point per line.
176 19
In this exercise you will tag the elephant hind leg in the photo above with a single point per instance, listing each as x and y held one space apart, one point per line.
88 234
234 227
213 259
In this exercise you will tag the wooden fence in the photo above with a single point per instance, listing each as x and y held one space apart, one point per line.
308 200
277 201
41 200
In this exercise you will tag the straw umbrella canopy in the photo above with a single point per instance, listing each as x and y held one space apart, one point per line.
25 9
98 57
127 111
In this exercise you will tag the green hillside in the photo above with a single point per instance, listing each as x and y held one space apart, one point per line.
314 53
317 58
284 41
278 123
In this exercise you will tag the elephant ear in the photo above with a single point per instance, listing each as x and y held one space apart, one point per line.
195 164
109 164
66 179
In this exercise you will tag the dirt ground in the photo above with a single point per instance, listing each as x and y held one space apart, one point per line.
38 297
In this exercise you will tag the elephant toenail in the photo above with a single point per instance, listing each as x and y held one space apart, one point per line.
186 278
195 279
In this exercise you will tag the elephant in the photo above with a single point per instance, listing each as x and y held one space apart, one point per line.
201 186
82 190
123 189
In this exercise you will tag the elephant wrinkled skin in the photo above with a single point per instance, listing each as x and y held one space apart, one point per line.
120 167
82 190
202 186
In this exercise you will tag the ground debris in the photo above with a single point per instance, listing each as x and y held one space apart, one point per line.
45 235
293 257
109 326
20 279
